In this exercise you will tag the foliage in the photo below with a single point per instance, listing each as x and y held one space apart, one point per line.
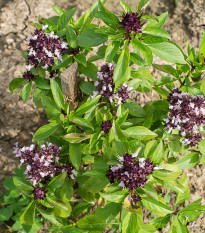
116 157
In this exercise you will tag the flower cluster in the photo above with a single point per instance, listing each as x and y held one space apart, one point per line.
131 22
44 164
105 86
106 126
187 115
131 173
39 193
44 49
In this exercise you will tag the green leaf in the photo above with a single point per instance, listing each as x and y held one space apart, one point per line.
95 183
202 87
66 192
45 131
87 87
157 32
122 118
143 73
164 80
117 196
131 221
70 229
140 132
188 161
6 213
108 18
28 215
121 73
158 153
71 37
142 5
60 209
87 106
89 38
202 45
57 94
49 215
168 52
81 58
22 184
111 50
161 91
58 10
181 197
75 154
136 59
156 206
147 228
125 7
134 109
57 181
91 224
166 175
41 83
146 52
90 70
82 122
159 22
65 18
167 69
16 83
50 105
76 137
26 91
160 222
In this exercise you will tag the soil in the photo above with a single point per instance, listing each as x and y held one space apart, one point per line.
17 120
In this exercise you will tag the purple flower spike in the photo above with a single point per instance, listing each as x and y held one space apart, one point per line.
106 126
43 165
131 174
39 193
28 75
131 22
187 115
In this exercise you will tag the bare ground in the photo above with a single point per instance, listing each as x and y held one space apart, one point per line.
18 120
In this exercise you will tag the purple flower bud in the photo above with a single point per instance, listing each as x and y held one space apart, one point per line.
106 126
131 22
28 75
39 193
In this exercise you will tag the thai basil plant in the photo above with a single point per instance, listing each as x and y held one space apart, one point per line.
102 163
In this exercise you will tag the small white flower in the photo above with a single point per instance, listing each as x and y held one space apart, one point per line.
44 27
46 163
96 83
114 168
46 67
171 107
42 174
22 161
127 174
74 171
104 88
95 93
110 65
121 184
120 158
72 177
183 134
119 101
28 168
64 45
110 99
29 38
57 159
35 37
28 67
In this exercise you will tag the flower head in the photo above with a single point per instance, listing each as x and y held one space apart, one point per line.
186 115
106 126
39 193
131 22
131 173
